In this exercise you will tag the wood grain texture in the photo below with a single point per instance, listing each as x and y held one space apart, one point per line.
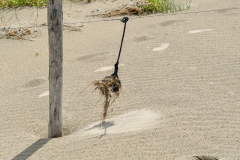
55 27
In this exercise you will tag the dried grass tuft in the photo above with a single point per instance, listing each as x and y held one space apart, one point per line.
133 10
109 87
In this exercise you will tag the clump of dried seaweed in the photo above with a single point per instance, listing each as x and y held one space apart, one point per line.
110 88
132 10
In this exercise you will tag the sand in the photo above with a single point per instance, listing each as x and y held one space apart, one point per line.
179 74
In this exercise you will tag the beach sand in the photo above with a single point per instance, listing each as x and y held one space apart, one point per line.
180 84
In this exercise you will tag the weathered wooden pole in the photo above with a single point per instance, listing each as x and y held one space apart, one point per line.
55 26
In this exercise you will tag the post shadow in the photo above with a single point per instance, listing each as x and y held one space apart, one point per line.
28 152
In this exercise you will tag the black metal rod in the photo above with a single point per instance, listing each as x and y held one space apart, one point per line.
122 41
124 20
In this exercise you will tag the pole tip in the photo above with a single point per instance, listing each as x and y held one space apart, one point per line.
125 19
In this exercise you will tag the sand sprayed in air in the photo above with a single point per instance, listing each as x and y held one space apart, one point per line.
132 121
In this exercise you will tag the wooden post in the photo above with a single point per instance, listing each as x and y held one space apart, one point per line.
55 26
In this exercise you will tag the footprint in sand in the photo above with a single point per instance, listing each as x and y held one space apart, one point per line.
199 158
142 38
90 56
162 47
34 83
107 68
199 31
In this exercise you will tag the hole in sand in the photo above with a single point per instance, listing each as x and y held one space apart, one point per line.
107 68
167 23
197 158
163 46
129 122
90 56
142 38
205 158
34 83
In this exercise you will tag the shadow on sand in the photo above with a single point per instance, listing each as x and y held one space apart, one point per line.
102 125
32 149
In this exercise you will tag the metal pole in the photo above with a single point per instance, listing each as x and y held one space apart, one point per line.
124 20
